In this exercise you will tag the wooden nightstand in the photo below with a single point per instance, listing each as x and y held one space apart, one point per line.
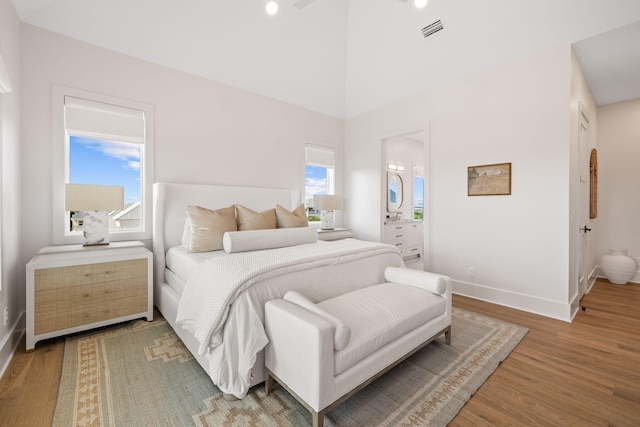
335 234
73 288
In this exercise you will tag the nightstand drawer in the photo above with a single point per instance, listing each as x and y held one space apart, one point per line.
61 277
72 306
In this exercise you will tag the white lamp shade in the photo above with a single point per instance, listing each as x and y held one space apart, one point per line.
327 202
83 197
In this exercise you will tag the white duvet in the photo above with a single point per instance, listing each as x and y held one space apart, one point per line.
213 287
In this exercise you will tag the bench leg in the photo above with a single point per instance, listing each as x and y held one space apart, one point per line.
318 418
447 336
268 384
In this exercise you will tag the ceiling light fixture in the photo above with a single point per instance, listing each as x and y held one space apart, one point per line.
272 8
421 3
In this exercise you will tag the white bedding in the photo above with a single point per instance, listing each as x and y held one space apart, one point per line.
235 365
223 301
182 262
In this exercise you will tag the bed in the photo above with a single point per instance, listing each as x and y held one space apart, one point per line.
232 353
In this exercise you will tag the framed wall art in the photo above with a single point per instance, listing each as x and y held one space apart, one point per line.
489 180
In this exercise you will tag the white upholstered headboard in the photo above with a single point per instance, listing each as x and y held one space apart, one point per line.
170 202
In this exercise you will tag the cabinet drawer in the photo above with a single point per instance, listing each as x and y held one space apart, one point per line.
411 251
398 236
61 277
397 227
59 319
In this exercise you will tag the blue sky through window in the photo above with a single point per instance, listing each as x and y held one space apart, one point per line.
100 162
315 181
418 192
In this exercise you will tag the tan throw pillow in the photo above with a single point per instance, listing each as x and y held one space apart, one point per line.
288 219
208 227
251 220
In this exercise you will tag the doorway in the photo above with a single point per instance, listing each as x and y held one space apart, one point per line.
583 207
405 207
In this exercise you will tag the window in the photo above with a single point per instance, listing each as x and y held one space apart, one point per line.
103 141
319 175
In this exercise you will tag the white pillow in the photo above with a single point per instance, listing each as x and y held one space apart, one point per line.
341 334
254 240
434 283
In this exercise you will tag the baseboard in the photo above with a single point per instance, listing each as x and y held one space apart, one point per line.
10 343
528 303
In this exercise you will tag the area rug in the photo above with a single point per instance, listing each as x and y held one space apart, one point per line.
140 374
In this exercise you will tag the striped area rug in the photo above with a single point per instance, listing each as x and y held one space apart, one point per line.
140 374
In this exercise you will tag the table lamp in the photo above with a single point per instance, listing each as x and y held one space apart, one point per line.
95 201
327 204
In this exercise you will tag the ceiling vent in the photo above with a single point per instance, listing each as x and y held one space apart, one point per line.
432 28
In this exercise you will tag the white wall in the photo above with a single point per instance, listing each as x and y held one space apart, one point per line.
619 179
518 244
205 132
12 287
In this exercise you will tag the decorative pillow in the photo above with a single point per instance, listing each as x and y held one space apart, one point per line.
208 227
254 240
342 333
288 219
251 220
434 283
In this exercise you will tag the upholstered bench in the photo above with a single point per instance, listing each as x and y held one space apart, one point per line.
322 353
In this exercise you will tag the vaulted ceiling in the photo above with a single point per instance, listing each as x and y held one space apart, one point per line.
346 57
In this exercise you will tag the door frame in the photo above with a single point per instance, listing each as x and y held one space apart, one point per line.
426 137
584 222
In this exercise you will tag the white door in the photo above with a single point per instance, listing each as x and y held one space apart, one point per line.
583 205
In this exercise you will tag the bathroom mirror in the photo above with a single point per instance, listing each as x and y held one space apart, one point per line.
394 191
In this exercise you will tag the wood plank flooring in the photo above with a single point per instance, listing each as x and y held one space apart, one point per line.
584 373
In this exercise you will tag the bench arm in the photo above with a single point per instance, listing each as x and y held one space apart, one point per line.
431 282
300 351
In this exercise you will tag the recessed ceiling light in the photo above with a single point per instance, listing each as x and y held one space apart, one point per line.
420 3
272 8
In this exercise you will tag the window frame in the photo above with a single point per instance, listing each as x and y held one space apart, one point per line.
331 171
60 168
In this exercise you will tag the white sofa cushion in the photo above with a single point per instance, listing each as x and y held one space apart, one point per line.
431 282
341 334
379 314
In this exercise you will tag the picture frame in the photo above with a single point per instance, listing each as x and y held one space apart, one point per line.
489 180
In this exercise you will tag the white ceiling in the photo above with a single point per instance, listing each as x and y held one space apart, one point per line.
346 57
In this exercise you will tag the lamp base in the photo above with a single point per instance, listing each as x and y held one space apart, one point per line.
95 228
327 220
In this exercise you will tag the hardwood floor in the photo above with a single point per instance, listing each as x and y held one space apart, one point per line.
584 373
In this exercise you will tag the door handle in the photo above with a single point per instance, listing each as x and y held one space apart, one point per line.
585 229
